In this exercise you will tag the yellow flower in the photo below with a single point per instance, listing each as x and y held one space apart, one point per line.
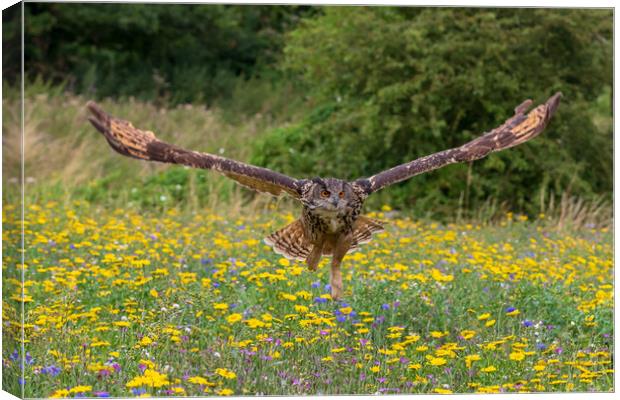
80 389
255 323
346 310
415 366
146 341
232 318
375 368
513 313
60 393
489 369
338 350
225 392
442 391
436 361
284 262
471 358
220 306
437 334
154 293
199 380
301 309
327 359
517 356
226 373
468 334
490 323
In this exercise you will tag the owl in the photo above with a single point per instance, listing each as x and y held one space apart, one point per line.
331 223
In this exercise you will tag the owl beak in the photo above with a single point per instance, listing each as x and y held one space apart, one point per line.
335 203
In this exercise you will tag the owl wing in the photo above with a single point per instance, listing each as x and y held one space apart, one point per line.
133 142
518 129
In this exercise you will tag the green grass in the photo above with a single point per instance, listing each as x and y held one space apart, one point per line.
116 296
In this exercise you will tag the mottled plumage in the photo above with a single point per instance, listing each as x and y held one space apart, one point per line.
330 223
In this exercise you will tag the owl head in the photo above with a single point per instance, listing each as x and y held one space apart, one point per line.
329 194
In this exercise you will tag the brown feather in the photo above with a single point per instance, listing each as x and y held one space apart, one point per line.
516 130
290 241
133 142
363 229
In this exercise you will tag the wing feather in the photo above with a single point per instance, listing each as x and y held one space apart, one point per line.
133 142
518 129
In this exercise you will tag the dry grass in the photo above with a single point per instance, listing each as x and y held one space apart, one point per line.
63 151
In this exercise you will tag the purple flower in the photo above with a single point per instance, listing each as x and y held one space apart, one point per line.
541 346
315 284
327 287
559 350
323 332
101 394
341 318
320 300
527 323
21 381
14 356
51 370
510 309
138 391
29 359
385 306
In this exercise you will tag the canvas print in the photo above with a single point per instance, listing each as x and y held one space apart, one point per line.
214 200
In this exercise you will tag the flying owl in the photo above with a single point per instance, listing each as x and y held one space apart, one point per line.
331 223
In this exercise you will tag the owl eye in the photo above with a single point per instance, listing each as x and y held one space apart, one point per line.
325 193
341 195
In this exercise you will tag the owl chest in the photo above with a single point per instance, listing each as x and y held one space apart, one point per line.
319 223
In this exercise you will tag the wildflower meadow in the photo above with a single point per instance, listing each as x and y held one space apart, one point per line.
126 303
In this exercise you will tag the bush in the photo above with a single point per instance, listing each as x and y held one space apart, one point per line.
403 83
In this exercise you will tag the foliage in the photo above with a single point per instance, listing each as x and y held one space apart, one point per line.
120 303
169 53
408 82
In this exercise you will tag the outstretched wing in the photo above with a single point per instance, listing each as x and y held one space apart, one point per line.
133 142
516 130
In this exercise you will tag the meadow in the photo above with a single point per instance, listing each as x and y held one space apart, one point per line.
120 302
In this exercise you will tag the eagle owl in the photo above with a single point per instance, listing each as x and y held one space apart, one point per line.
330 222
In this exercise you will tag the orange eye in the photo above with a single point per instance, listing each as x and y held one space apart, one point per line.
341 195
325 193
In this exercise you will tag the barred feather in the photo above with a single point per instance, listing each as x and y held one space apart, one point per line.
290 241
363 229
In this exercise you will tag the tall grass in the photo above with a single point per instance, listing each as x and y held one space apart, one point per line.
66 159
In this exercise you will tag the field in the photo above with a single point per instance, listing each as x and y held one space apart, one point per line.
126 303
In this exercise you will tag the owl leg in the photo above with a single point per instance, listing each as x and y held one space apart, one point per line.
314 257
340 250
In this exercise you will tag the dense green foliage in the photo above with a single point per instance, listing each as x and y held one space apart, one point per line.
178 53
403 83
